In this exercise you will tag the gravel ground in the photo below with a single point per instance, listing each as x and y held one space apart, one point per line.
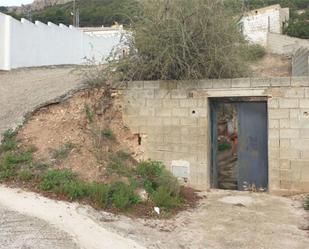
22 90
19 231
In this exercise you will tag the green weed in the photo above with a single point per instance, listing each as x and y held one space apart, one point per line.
163 198
9 141
99 193
117 164
89 113
307 204
74 189
54 180
123 195
108 134
149 169
25 175
63 152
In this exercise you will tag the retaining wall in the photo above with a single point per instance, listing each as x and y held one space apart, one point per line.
300 62
173 120
27 44
285 45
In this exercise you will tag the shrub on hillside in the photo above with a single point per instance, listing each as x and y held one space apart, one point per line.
181 40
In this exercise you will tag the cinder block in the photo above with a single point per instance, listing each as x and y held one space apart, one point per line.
273 103
280 81
168 84
273 163
151 121
278 113
289 153
307 92
189 121
260 82
153 102
136 85
285 175
241 83
273 153
300 81
301 144
294 92
273 143
304 154
163 112
198 139
285 184
151 85
288 103
168 138
166 121
285 164
273 124
193 131
294 113
289 133
157 138
284 123
198 112
134 95
284 143
170 103
162 94
187 84
304 103
147 111
304 133
299 123
180 112
129 110
273 133
222 83
188 102
275 92
205 84
179 94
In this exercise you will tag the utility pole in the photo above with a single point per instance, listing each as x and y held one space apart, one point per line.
74 13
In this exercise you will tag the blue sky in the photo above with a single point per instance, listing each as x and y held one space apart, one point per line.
14 2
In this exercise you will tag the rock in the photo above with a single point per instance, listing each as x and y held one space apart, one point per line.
304 225
142 193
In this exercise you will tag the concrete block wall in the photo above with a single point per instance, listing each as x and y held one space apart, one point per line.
173 119
300 62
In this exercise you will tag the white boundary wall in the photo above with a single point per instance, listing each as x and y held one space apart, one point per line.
27 44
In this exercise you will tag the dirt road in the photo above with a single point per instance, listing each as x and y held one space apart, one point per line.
224 220
23 90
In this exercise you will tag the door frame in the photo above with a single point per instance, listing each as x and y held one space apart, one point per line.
213 132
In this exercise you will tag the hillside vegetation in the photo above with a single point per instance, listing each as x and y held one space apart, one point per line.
106 12
92 12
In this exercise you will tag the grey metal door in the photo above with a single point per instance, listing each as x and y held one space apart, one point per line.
252 145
